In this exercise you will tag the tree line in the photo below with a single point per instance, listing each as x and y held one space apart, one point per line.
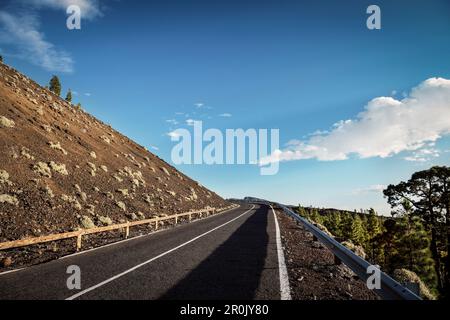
415 237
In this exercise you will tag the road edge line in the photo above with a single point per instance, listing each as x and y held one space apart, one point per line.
285 290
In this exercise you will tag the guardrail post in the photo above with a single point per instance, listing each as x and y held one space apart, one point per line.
156 224
79 242
190 217
127 231
176 219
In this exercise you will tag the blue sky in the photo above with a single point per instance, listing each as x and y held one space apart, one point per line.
299 66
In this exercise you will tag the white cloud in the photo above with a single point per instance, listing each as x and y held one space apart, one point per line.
154 148
423 155
202 105
20 30
173 134
90 9
172 121
225 115
376 188
22 33
87 94
386 127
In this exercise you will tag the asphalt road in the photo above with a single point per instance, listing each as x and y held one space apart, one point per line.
228 256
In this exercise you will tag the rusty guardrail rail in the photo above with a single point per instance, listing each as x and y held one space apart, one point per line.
389 288
124 226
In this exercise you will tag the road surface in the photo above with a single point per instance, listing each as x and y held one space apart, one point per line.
233 255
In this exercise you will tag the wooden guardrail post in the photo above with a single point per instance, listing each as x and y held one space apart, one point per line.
79 242
190 217
127 231
156 223
176 219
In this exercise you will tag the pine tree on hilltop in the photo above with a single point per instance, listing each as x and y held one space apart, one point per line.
55 85
333 223
1 58
302 212
373 224
358 232
346 225
315 216
69 96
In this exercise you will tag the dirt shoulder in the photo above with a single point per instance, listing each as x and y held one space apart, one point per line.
311 269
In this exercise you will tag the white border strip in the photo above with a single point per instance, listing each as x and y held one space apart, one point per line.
153 259
11 271
285 290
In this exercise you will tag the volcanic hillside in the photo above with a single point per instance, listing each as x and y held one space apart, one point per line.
61 169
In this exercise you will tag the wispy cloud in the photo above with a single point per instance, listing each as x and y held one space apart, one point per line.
87 94
20 31
22 34
172 121
201 105
423 155
386 127
90 9
225 115
173 134
376 188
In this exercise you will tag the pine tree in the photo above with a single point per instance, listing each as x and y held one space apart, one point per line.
333 223
373 224
315 216
69 96
346 225
55 85
358 232
413 249
302 212
1 58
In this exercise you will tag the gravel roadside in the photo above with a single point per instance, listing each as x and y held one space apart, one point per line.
311 269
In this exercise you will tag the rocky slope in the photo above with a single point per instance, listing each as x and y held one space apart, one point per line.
62 169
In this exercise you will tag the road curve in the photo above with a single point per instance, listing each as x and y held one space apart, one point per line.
228 256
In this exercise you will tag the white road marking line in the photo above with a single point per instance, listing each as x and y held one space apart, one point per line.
137 237
285 290
154 258
11 271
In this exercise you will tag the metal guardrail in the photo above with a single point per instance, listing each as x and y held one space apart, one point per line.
123 226
389 289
